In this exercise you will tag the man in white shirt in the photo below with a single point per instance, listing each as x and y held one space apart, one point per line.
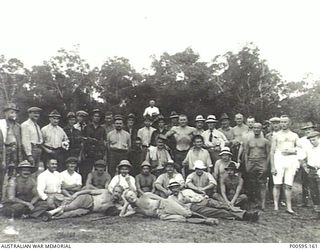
71 181
145 133
123 179
312 167
49 185
152 110
55 140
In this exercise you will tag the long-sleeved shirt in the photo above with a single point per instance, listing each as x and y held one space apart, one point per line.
194 155
31 134
164 179
48 183
119 139
158 157
201 181
313 156
217 136
145 135
53 136
121 181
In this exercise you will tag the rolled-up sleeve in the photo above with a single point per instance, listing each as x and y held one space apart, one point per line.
41 186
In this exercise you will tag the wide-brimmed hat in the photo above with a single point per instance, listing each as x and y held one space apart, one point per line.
274 119
124 163
232 165
26 164
174 114
170 163
145 163
9 106
71 115
308 125
34 109
71 159
211 118
81 113
313 134
54 113
224 116
199 118
173 183
198 164
225 150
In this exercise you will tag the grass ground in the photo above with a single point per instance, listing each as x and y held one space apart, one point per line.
273 227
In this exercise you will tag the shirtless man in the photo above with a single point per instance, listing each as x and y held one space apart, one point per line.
238 131
245 136
257 154
152 205
183 137
96 201
284 162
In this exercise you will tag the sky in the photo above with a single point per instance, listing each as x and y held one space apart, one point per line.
286 32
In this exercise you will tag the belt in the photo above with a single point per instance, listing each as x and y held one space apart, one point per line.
36 145
11 144
119 150
52 148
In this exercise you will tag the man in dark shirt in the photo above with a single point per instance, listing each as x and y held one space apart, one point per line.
94 143
137 155
131 126
161 129
74 136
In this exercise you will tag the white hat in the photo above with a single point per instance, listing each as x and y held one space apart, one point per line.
199 118
211 118
198 164
225 150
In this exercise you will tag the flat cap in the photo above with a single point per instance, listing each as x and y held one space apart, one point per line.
224 116
313 134
34 109
54 113
173 114
308 125
96 111
71 159
274 119
10 106
131 115
100 162
118 117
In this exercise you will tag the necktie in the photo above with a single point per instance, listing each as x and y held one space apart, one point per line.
211 136
38 134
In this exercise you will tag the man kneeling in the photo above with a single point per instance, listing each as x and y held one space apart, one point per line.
86 201
152 205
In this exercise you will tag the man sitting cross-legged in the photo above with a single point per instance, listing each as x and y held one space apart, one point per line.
152 205
86 201
208 207
99 178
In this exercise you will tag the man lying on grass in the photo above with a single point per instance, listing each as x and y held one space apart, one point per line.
86 201
152 205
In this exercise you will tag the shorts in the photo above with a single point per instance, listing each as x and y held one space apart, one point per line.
257 170
286 167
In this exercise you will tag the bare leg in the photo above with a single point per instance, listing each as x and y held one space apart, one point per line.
276 195
263 195
288 192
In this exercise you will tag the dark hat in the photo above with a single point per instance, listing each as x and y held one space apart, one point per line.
232 165
224 116
34 109
81 113
71 115
162 137
131 115
71 159
313 134
9 106
308 125
118 117
54 113
145 163
173 114
124 163
96 111
26 164
100 163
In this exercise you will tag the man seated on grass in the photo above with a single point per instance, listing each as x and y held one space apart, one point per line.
86 201
201 181
231 188
99 178
208 207
152 205
145 180
71 181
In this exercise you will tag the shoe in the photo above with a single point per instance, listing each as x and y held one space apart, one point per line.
291 213
46 216
211 222
251 216
282 203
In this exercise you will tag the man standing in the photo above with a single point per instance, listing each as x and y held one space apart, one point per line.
108 122
257 153
199 123
152 110
284 162
32 137
94 143
55 140
275 126
118 143
131 128
174 119
226 129
81 120
160 130
183 136
74 136
239 130
145 133
245 136
137 155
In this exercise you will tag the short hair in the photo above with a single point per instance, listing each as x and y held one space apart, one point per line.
257 123
52 158
251 117
183 115
118 186
238 114
108 113
197 137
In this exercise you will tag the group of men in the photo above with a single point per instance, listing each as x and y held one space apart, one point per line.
169 170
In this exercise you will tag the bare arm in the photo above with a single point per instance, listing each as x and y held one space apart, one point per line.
238 190
223 191
124 211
